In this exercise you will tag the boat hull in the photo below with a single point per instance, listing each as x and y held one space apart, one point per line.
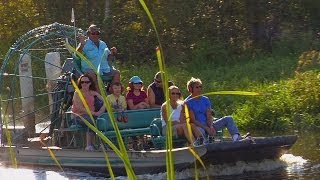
258 149
142 161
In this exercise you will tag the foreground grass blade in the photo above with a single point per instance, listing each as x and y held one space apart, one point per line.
122 154
187 114
8 136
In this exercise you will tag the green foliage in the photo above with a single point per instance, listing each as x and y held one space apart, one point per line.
309 60
288 104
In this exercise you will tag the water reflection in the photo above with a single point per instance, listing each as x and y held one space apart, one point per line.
43 174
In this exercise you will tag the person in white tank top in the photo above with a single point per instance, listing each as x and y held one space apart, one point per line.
177 116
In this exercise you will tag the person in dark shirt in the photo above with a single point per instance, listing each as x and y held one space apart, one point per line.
155 91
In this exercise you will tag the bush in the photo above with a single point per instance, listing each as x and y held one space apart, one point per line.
288 104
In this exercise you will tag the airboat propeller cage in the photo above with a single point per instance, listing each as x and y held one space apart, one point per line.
29 76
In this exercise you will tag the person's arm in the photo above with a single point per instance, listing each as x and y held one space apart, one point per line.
209 117
102 109
210 122
164 113
78 104
140 105
82 40
152 98
182 115
113 52
194 121
146 102
131 105
123 102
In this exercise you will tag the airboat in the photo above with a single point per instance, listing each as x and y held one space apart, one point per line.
36 91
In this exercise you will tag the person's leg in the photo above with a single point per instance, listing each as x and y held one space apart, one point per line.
176 131
201 135
89 134
185 133
202 131
90 138
195 131
114 74
164 130
227 122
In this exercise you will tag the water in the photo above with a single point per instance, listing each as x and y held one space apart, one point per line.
301 162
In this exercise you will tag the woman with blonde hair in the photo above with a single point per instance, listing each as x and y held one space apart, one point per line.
177 117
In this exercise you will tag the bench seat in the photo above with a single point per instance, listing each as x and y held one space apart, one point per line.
129 132
138 123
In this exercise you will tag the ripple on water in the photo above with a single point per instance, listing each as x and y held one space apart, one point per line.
287 166
219 170
296 165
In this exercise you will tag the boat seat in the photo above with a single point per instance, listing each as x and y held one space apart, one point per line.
71 129
137 125
158 139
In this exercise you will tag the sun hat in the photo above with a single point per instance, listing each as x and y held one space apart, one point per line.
135 79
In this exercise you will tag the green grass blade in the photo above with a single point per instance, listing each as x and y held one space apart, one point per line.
8 136
122 152
239 93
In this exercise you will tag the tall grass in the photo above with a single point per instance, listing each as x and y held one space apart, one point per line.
291 99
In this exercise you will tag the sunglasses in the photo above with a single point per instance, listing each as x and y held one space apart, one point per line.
138 83
176 93
198 87
85 82
157 81
95 33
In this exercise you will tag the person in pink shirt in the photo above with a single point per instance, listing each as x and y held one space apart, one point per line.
88 90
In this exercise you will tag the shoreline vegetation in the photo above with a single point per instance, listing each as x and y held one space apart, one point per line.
289 84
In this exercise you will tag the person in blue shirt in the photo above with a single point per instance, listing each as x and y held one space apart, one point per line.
200 111
98 53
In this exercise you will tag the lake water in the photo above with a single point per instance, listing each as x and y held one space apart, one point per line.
301 162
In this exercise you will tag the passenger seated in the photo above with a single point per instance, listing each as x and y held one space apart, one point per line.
155 91
88 90
118 101
200 110
136 96
177 117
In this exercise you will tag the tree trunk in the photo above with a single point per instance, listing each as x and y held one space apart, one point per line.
107 9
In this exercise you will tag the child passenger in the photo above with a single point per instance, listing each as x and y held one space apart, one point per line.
136 96
116 99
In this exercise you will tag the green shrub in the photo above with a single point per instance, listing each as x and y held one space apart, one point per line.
292 103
